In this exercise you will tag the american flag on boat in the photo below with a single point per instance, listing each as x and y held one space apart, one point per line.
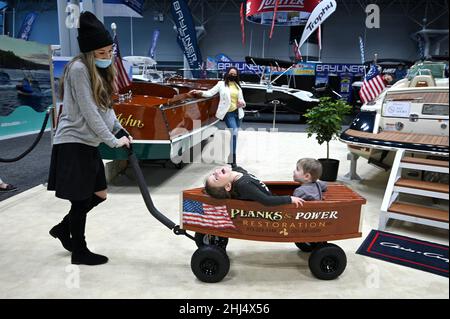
373 85
122 80
201 214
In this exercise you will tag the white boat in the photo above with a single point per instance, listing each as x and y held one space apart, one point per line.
144 69
260 97
413 114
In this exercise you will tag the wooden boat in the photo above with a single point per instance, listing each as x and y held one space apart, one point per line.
165 122
310 227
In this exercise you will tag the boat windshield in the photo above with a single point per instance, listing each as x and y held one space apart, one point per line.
436 69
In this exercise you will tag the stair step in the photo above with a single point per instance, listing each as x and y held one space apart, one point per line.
427 186
419 211
424 161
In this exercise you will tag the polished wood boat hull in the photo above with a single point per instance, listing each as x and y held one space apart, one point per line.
163 123
336 217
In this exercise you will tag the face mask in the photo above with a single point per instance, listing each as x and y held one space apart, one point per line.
232 78
103 63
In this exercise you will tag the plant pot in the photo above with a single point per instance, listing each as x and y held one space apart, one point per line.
330 169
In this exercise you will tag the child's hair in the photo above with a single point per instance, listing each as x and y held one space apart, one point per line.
311 166
216 192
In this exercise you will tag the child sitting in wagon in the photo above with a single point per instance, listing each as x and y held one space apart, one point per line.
308 172
226 182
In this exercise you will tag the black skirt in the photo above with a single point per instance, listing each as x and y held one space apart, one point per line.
76 171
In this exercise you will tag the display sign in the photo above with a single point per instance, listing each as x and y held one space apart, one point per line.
336 69
289 12
243 67
397 109
25 86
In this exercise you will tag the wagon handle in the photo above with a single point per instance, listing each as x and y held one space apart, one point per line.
145 193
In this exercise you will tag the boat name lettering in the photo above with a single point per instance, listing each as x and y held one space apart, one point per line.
317 215
129 121
255 214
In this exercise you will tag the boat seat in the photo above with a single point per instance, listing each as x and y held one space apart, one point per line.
422 81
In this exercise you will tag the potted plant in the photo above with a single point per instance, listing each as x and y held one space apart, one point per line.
325 120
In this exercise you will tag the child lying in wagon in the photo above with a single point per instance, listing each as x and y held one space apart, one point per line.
236 183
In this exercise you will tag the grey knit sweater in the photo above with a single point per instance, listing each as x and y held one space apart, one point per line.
81 121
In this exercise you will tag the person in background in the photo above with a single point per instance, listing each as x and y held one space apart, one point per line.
388 79
230 108
4 187
77 173
400 72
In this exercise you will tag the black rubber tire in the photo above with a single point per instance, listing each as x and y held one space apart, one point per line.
308 247
210 264
204 239
327 262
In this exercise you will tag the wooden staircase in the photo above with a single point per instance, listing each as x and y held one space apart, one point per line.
391 208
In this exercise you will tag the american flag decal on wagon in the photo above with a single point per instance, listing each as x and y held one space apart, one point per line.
200 214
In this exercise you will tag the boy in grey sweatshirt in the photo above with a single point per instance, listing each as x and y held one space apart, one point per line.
308 172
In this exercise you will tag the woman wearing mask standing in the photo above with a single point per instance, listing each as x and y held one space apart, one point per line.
230 108
87 119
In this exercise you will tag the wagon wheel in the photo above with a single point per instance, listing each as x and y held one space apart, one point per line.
210 264
327 262
204 239
309 247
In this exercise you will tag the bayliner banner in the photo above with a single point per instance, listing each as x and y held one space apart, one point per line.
323 10
187 35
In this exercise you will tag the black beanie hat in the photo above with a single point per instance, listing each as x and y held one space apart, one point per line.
92 34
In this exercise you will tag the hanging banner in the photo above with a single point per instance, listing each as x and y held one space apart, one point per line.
362 51
123 8
289 12
242 23
187 35
151 52
317 17
27 26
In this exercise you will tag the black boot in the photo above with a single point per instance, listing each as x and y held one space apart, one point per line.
81 255
62 232
86 257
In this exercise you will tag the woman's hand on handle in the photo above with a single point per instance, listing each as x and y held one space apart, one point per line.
124 141
297 201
